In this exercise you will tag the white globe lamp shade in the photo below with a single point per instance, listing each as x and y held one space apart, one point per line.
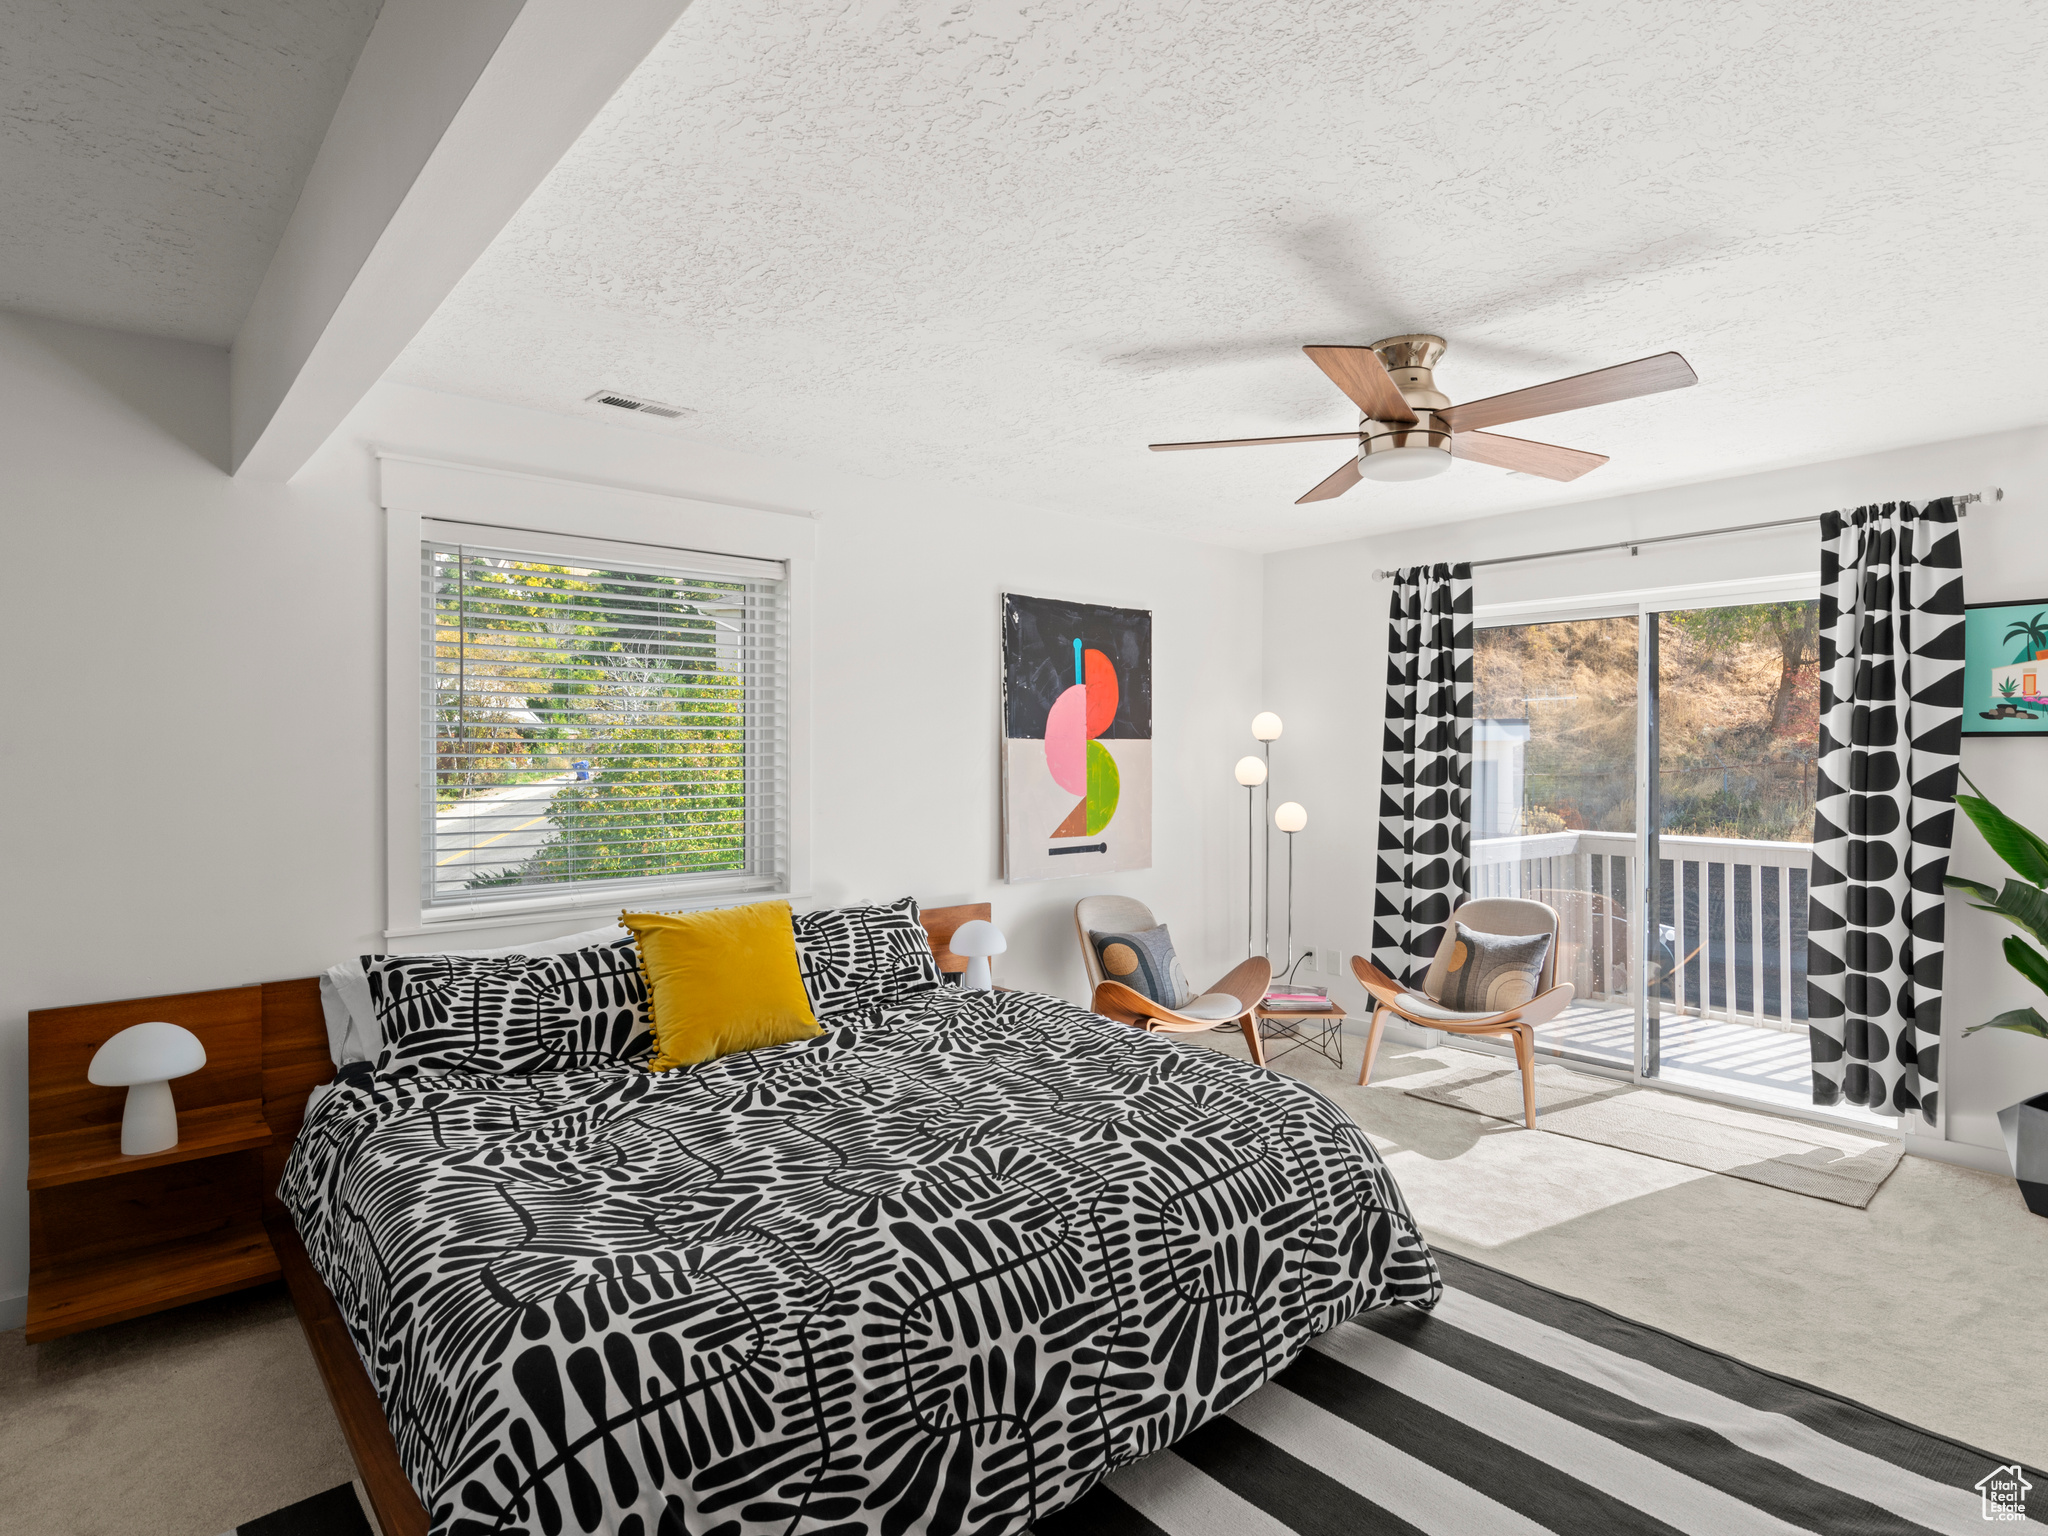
1251 771
1290 817
143 1058
1403 463
978 940
1266 726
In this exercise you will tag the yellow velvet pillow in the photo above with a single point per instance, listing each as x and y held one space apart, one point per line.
721 981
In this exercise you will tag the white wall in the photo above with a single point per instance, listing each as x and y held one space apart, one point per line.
1325 669
193 691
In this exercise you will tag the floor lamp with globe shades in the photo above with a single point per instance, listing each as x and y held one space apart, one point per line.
1266 729
1251 773
1290 818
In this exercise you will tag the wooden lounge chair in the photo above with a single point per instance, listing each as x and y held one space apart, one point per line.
1231 1000
1488 914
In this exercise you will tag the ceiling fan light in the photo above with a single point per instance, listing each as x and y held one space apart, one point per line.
1403 463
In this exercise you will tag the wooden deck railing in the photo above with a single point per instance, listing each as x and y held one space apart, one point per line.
1731 939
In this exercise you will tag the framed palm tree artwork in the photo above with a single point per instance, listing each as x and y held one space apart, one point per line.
2005 669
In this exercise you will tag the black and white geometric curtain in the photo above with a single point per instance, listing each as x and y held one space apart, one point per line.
1425 844
1891 693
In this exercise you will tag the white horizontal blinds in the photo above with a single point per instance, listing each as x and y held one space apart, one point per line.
595 717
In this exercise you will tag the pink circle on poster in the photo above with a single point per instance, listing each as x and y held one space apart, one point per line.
1066 740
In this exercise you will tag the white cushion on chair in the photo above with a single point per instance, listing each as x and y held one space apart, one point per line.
1426 1008
1220 1006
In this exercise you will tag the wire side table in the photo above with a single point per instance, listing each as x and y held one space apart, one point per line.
1290 1029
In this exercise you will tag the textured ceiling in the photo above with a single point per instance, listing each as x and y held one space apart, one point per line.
151 151
1006 246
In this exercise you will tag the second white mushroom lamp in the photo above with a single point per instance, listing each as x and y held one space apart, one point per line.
978 940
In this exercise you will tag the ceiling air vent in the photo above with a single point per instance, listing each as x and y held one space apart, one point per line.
636 403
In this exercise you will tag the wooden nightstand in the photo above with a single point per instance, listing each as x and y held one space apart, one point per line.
113 1237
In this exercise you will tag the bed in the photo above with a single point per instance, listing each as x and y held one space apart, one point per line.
938 1269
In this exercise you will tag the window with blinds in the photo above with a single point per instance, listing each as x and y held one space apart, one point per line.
595 720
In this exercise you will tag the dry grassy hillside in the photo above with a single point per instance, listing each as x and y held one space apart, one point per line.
1739 705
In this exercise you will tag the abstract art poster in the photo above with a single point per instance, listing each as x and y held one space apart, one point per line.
1077 738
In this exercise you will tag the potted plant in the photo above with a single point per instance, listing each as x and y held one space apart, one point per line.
2024 903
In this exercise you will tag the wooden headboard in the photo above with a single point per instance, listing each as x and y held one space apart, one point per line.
295 1062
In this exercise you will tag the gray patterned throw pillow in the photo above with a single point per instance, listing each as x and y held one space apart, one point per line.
1144 962
1492 972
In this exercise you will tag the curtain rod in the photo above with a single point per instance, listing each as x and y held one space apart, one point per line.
1990 493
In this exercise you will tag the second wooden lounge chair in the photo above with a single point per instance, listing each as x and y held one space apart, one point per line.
1488 914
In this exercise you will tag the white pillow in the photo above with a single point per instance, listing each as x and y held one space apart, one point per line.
352 1032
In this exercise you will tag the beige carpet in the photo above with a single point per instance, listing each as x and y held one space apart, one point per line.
187 1423
1808 1159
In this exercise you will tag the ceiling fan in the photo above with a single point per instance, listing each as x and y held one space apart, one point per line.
1407 430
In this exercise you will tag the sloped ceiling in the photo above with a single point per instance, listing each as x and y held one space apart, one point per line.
151 151
1007 246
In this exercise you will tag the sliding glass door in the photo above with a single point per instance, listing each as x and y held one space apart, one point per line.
1554 810
1680 889
1734 715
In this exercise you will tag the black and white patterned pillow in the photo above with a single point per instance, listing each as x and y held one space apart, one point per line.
857 958
514 1014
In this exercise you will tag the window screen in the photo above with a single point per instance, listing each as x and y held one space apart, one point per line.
597 722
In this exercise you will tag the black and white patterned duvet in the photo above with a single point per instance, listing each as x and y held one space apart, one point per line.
935 1271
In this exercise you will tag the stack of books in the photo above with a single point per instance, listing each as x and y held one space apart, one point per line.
1292 998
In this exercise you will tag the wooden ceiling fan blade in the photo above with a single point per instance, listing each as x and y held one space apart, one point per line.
1336 485
1359 372
1254 442
1518 453
1624 381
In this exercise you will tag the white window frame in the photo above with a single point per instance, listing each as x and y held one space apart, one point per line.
527 511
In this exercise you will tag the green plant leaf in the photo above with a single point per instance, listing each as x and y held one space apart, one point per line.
2026 1020
2027 960
2026 905
1976 888
2020 848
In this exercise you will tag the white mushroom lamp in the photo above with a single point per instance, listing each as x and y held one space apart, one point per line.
143 1058
977 940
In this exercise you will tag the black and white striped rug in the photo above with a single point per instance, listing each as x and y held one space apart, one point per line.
1512 1410
337 1512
